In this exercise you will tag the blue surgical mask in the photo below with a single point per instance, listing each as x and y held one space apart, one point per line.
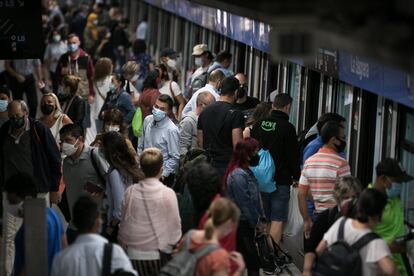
3 105
395 190
73 47
158 114
112 87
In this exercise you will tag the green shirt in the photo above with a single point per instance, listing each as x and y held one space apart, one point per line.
391 227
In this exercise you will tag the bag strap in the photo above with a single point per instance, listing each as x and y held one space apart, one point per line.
364 240
99 91
95 166
206 250
149 217
341 229
107 259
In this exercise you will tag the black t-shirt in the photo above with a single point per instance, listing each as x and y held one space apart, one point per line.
250 103
217 122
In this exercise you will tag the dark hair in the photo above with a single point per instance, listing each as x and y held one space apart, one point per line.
330 129
223 55
261 111
164 72
328 117
72 130
21 184
85 213
72 82
210 55
204 184
371 203
114 115
139 46
125 21
5 90
151 80
241 154
282 100
119 78
229 86
119 155
166 99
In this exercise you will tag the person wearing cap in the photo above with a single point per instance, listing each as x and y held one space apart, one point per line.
168 57
390 176
203 59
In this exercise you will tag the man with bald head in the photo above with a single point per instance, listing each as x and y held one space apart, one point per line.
77 62
27 146
244 102
214 80
188 125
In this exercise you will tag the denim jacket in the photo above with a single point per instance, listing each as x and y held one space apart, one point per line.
243 189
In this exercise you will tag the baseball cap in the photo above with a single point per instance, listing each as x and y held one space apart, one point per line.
199 49
392 168
169 52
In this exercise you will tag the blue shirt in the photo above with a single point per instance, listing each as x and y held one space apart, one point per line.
313 147
55 233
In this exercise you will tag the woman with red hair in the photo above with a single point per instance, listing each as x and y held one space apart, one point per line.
242 188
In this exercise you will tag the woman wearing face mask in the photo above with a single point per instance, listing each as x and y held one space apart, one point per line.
242 188
73 105
130 74
54 50
90 34
389 181
5 95
172 89
119 98
52 115
124 171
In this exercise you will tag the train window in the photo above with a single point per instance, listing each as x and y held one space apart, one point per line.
294 75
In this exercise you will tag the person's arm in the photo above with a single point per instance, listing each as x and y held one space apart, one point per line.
141 139
174 219
237 127
116 183
181 101
200 138
171 165
321 247
308 263
387 267
186 135
236 136
38 71
246 132
11 71
46 64
307 223
90 72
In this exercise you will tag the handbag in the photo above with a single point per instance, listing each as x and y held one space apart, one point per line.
294 223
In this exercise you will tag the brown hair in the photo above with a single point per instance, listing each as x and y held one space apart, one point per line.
103 68
220 211
72 82
114 115
151 162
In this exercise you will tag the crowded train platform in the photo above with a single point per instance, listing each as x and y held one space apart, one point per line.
180 138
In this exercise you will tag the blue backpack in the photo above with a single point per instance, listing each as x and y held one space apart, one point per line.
265 172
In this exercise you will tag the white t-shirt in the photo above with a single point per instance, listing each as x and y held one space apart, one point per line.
172 90
370 253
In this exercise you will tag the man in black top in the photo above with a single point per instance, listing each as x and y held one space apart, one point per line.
276 134
244 102
220 126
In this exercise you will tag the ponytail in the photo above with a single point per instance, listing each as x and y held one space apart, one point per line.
208 228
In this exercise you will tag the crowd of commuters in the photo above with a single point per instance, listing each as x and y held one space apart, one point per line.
128 160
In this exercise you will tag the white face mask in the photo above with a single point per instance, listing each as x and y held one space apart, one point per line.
134 78
16 209
198 61
112 128
172 63
69 149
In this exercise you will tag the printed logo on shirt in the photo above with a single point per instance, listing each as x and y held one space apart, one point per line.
268 126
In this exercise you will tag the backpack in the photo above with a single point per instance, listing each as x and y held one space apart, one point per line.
342 259
185 262
265 172
303 141
199 82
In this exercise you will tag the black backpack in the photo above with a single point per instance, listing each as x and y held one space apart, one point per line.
106 263
199 82
342 259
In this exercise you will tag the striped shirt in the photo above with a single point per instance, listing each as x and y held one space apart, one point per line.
320 173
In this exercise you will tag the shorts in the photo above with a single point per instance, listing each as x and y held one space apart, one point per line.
276 204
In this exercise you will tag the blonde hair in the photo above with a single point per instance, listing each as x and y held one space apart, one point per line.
72 82
151 162
220 212
58 110
130 69
103 68
345 185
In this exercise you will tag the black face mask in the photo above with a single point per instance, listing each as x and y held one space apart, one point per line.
341 147
241 92
47 109
254 161
17 122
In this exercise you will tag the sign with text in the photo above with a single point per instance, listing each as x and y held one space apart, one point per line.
20 29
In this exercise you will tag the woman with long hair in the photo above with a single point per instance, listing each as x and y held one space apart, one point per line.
124 171
242 188
261 112
73 105
52 115
150 92
223 217
150 225
130 73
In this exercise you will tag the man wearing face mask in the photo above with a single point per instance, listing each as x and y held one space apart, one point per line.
244 102
5 97
77 62
320 172
390 178
169 57
82 167
203 59
160 132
